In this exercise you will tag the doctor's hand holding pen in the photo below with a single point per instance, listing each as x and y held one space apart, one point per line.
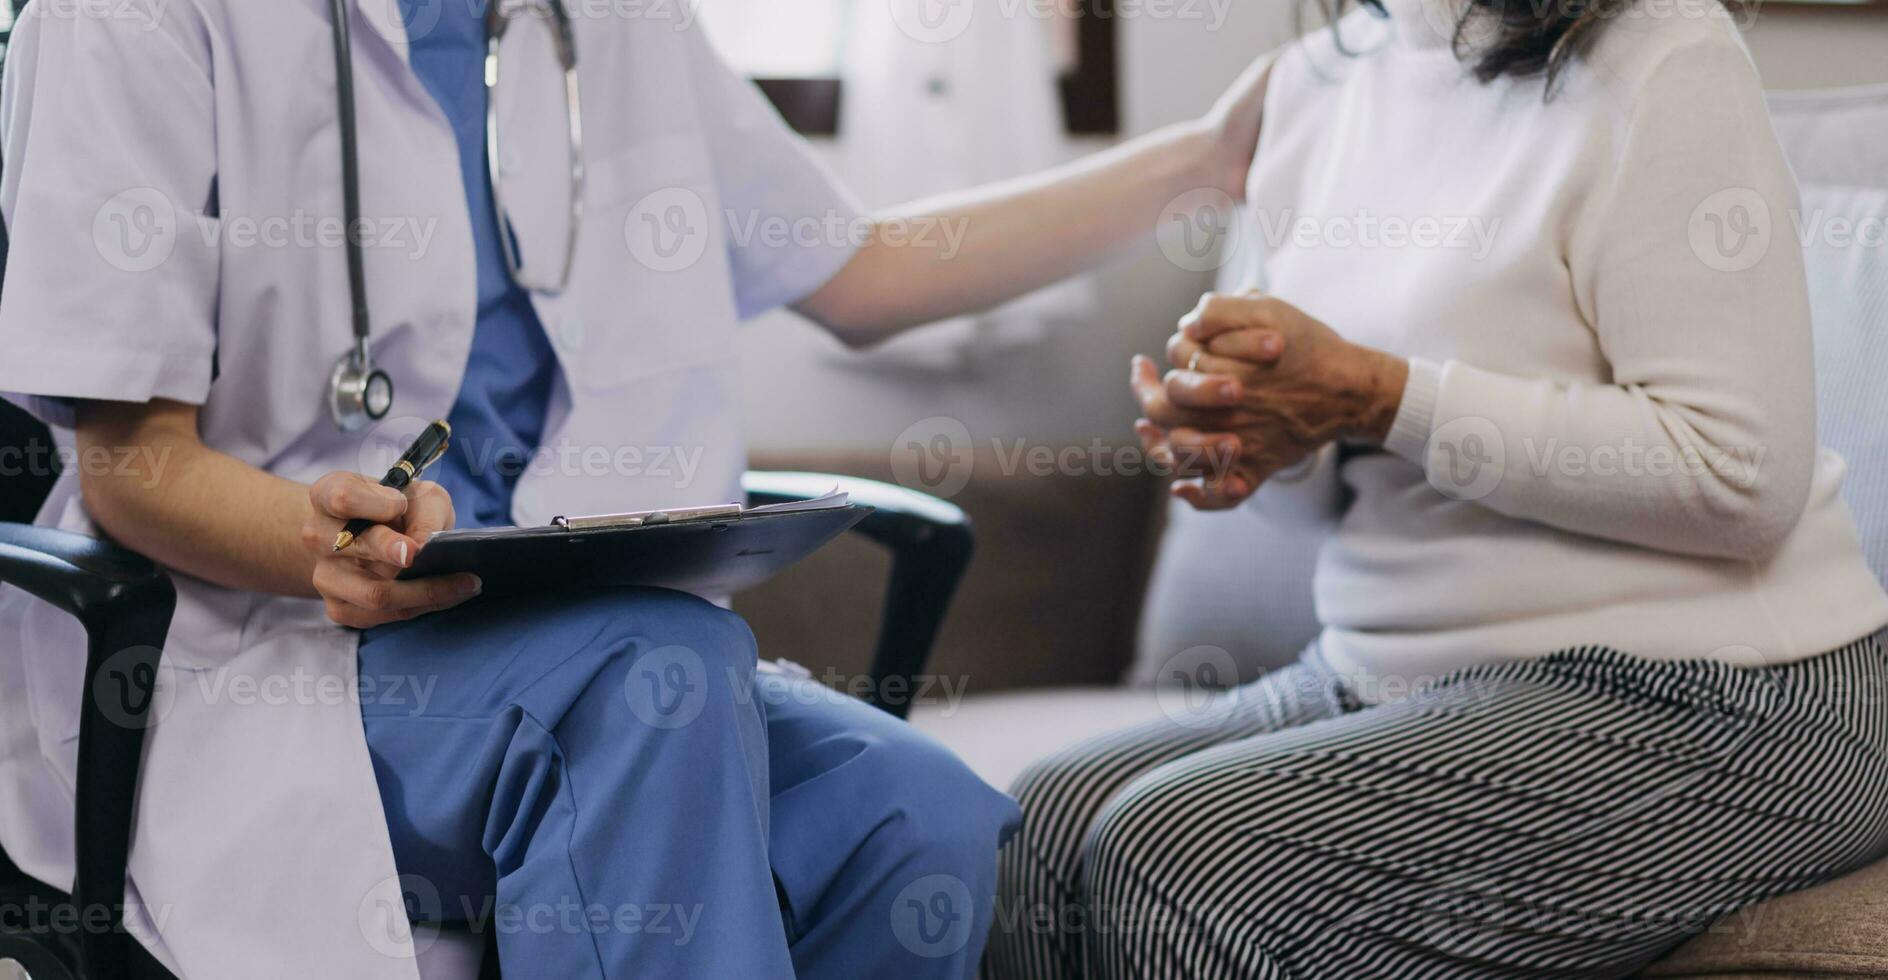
357 581
221 519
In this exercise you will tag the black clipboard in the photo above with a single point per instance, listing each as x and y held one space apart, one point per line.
709 556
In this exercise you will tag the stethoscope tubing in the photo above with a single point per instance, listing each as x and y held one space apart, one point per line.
354 384
561 34
351 183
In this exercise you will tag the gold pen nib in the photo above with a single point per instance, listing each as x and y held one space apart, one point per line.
342 540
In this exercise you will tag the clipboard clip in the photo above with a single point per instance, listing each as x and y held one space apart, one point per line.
647 518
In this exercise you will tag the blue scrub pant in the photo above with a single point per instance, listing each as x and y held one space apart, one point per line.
606 782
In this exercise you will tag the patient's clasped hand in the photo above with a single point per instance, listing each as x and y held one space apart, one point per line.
1258 386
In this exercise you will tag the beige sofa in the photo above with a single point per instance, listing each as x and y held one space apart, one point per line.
1044 628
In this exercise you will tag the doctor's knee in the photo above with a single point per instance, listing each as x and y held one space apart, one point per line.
945 817
689 659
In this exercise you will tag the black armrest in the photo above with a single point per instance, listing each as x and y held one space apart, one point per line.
931 543
125 604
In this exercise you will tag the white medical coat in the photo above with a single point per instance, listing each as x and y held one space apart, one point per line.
172 187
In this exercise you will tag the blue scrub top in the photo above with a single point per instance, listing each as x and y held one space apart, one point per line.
498 419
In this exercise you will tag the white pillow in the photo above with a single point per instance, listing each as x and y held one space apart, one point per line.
1835 136
1845 231
1837 142
1236 583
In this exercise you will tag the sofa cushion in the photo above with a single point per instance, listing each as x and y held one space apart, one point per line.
1839 929
999 735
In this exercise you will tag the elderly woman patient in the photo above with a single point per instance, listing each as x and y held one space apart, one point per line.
1598 661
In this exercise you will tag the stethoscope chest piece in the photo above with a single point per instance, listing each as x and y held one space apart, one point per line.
359 394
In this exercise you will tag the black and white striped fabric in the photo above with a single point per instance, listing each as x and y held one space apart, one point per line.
1572 816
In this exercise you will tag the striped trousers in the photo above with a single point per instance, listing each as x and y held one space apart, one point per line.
1572 816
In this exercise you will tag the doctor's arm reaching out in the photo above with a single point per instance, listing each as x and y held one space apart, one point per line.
215 517
1024 234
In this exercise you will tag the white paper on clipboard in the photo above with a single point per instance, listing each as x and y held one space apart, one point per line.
831 499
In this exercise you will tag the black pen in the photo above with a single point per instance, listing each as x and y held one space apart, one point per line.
424 452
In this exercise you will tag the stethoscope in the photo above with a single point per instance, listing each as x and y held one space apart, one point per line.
358 392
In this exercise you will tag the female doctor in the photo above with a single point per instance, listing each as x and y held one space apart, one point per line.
603 779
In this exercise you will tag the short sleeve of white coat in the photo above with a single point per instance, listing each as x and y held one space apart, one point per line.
790 225
110 161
